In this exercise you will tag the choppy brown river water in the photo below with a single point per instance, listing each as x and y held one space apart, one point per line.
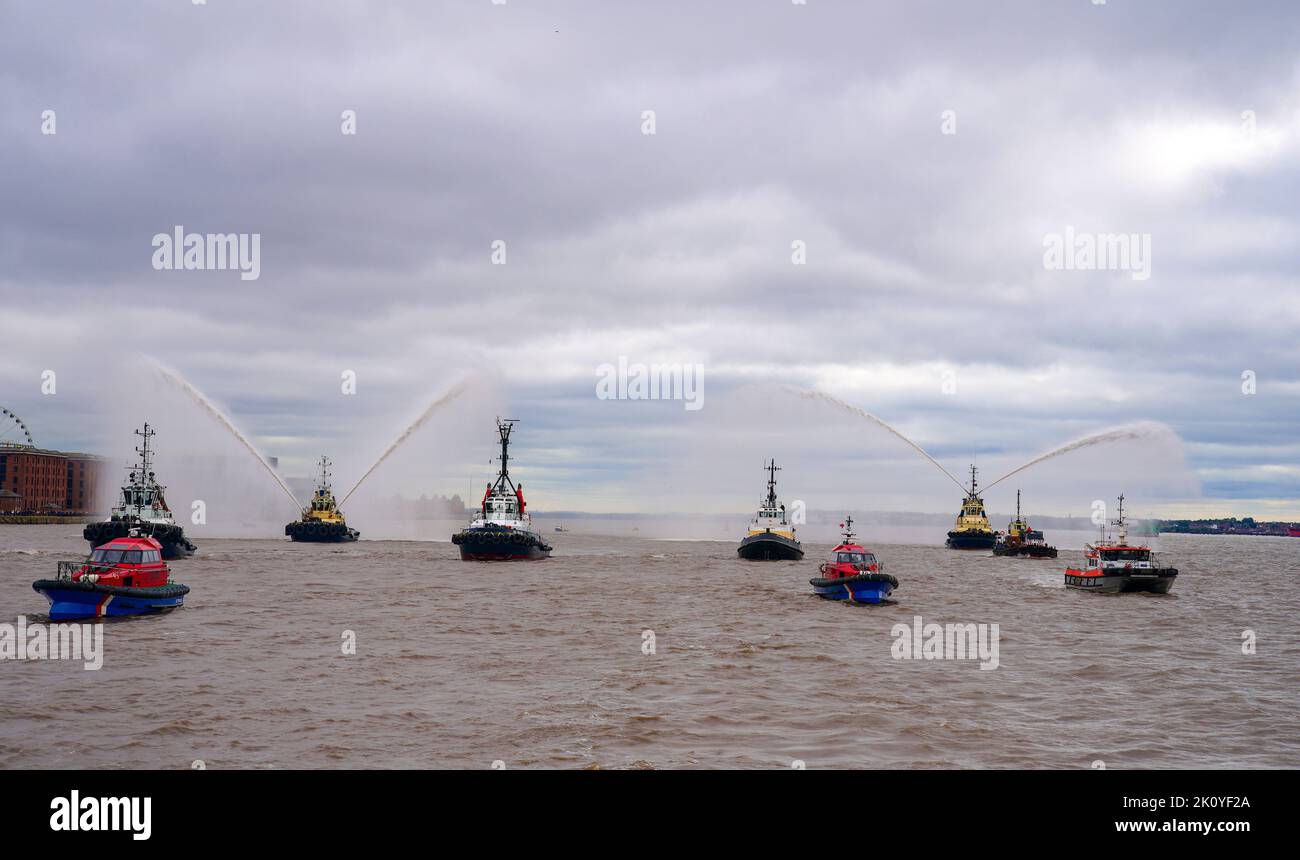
542 665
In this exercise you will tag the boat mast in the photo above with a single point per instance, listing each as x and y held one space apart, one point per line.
143 451
973 485
771 468
1017 506
503 430
145 478
324 472
1119 521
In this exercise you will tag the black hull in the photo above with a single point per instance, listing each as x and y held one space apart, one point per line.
769 547
1159 581
161 591
827 582
971 540
317 532
500 545
174 543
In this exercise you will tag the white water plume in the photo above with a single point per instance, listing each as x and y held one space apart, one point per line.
1140 430
174 379
439 402
808 394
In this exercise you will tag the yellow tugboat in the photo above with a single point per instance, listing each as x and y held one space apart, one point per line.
322 521
972 530
1020 539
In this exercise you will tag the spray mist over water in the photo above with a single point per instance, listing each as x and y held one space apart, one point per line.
195 395
452 393
808 394
1141 430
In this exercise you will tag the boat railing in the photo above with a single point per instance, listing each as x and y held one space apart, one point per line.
68 568
861 566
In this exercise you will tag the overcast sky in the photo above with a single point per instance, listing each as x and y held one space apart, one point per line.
924 297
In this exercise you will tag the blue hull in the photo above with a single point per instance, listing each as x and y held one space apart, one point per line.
857 592
68 604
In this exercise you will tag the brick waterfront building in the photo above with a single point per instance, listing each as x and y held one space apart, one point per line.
39 481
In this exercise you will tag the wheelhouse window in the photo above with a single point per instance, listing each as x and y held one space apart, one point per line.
123 556
1127 555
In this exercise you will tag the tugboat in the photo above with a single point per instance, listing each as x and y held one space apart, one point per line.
142 507
853 573
125 576
1021 540
972 530
1114 566
322 521
770 537
502 530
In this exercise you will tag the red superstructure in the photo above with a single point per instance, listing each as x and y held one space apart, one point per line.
129 562
850 557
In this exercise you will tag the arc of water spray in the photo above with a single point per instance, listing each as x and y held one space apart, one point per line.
1141 430
451 394
809 394
194 394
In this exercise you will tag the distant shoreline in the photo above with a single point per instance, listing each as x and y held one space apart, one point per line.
1228 526
1225 533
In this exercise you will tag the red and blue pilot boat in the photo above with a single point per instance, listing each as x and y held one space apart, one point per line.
853 573
126 576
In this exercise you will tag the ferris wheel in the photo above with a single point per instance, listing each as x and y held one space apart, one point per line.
13 430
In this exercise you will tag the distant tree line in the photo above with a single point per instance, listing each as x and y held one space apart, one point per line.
1227 526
